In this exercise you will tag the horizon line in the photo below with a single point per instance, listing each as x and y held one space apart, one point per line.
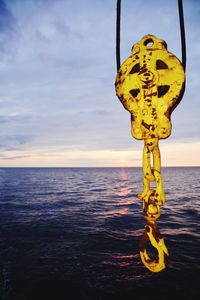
89 167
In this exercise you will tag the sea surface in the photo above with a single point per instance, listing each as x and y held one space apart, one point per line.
74 233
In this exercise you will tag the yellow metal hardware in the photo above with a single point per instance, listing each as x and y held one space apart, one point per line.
150 84
152 234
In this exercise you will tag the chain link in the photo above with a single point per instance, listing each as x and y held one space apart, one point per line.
152 199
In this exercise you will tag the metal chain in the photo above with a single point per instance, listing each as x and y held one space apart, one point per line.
151 202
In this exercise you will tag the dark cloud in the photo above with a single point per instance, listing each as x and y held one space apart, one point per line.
67 30
13 119
7 20
8 31
102 112
14 142
15 157
42 37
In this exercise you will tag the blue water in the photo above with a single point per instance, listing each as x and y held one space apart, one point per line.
74 234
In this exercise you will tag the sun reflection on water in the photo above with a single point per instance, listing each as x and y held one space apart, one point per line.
124 188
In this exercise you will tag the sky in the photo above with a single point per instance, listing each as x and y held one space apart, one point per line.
58 106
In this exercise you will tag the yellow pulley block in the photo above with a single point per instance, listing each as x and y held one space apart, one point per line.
150 84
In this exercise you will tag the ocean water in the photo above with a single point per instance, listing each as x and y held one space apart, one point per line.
74 234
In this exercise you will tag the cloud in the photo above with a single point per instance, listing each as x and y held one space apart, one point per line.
66 30
17 157
6 21
13 142
8 33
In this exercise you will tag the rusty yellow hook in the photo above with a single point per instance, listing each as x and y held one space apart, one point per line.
152 234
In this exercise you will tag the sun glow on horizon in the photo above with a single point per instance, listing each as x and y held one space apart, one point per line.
173 154
122 160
